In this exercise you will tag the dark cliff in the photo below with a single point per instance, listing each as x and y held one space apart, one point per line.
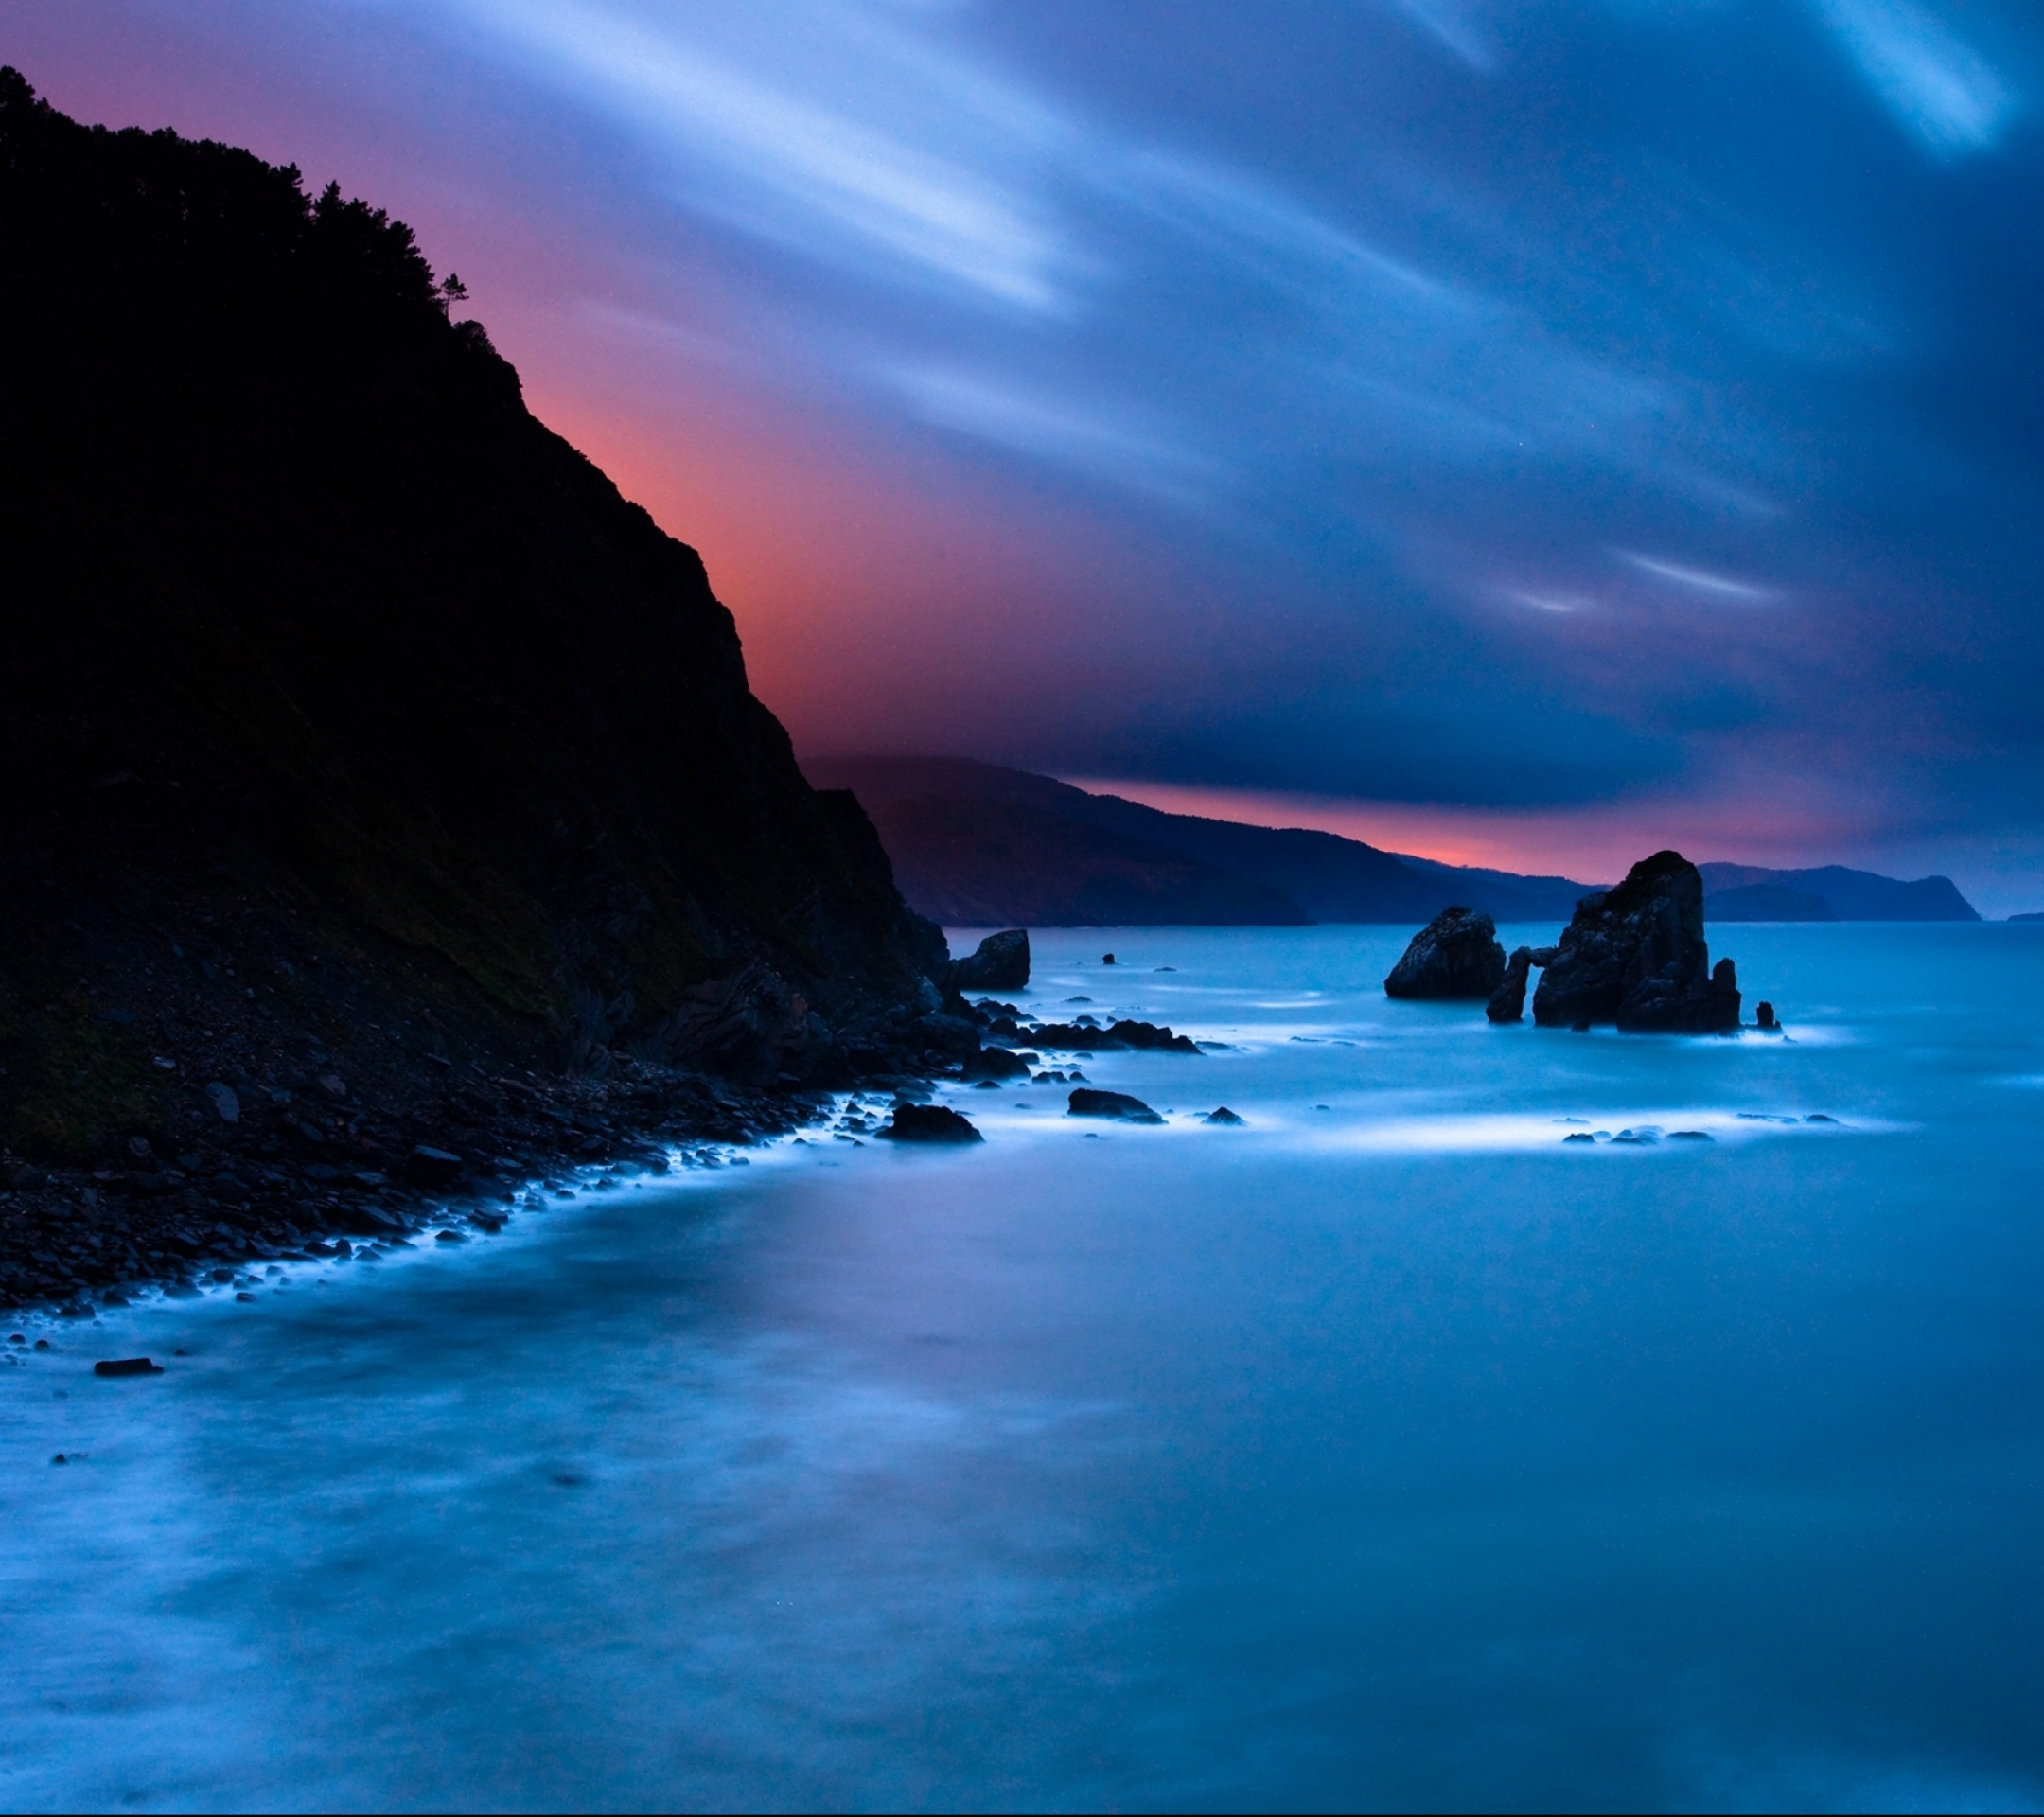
318 642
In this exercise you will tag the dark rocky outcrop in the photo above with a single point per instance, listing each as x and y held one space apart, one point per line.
1000 962
1455 955
1116 1106
1222 1115
1508 1003
1635 955
1079 1037
383 806
928 1123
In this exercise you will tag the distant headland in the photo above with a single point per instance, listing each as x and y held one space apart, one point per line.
978 845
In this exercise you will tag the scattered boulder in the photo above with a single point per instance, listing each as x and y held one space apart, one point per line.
1455 955
1635 955
1508 1004
128 1365
224 1103
1222 1115
433 1166
990 1064
1000 962
1117 1105
928 1123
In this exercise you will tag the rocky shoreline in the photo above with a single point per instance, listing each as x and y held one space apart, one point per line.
299 1172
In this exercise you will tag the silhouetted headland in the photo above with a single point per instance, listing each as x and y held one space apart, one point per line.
382 803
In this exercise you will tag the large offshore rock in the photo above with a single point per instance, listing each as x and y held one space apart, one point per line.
1455 956
1000 962
1635 955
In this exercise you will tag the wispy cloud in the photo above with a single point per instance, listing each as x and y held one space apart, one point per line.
1935 83
1087 440
773 151
1700 580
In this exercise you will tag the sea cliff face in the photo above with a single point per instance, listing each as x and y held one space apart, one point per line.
328 660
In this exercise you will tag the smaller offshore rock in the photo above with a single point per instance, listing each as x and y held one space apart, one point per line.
126 1365
1000 962
1223 1115
1117 1105
1508 1002
1454 957
928 1123
991 1064
1764 1015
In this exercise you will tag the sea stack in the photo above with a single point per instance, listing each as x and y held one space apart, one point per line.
1000 962
1456 957
1635 955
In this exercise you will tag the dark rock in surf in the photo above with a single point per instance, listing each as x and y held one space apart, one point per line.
1669 1005
1635 955
1508 1004
928 1123
128 1365
1116 1106
991 1064
1225 1116
1000 962
1454 957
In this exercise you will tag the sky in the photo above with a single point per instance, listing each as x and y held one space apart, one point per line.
1530 433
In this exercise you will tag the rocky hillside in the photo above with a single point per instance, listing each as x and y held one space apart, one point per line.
977 845
344 702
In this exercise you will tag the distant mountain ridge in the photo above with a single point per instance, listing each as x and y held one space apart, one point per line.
976 844
1830 892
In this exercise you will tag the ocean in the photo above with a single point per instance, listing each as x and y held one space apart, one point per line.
1388 1451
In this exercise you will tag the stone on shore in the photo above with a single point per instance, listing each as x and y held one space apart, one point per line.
1000 962
1635 956
1456 957
128 1365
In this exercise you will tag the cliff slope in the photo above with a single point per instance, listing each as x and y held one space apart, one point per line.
337 687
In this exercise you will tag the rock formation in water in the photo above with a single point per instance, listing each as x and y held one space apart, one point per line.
928 1123
1635 955
1454 957
1508 1003
1116 1106
1000 962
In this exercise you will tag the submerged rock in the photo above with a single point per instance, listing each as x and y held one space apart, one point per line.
1000 962
1454 957
1508 1003
1115 1104
928 1123
1635 955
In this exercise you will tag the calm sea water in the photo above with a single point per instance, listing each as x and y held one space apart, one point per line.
1386 1452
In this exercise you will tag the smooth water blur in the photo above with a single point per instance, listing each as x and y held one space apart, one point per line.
1386 1453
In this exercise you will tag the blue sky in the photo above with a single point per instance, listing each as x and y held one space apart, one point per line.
1613 416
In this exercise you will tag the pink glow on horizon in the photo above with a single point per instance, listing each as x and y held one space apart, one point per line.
1592 844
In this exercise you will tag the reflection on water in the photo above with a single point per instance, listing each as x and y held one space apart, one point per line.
1396 1453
